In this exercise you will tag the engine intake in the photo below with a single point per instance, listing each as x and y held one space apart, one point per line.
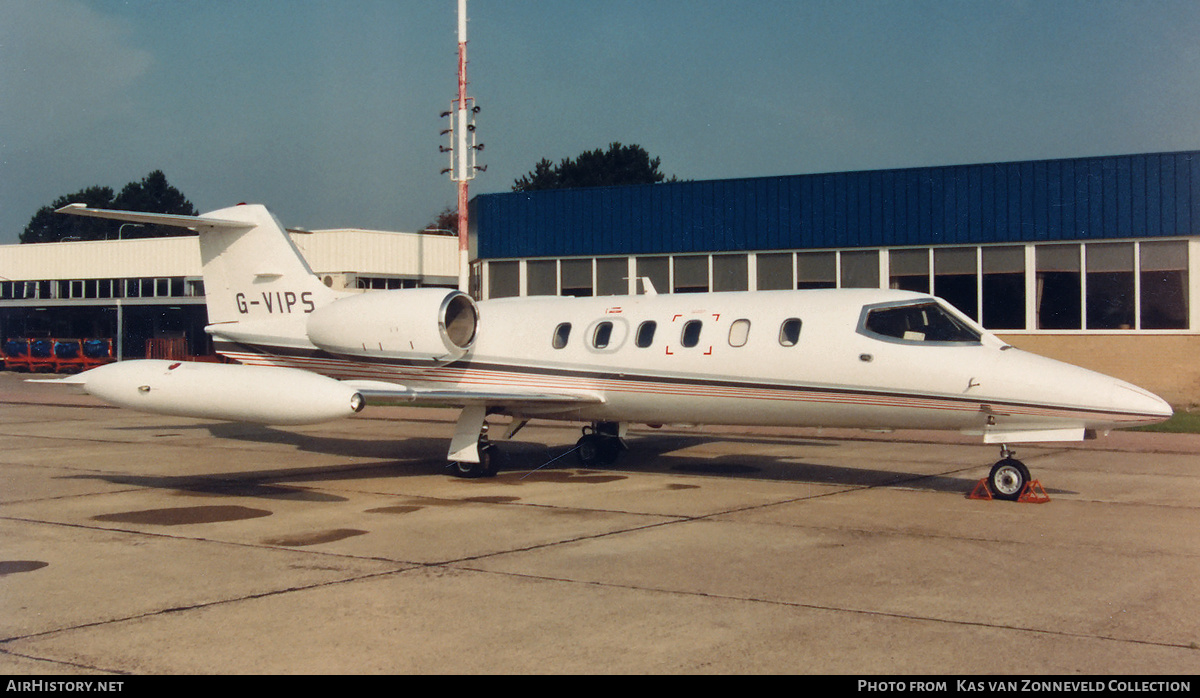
420 324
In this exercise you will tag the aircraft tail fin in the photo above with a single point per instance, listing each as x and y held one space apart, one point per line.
253 272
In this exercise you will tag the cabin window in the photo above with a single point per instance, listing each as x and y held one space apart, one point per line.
603 335
789 332
739 332
919 322
691 333
561 334
645 333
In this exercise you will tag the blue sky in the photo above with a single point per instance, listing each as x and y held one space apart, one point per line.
327 110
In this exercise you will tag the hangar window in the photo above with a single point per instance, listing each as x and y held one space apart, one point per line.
789 332
817 270
657 270
561 334
603 335
1058 287
730 272
909 270
917 322
541 277
1164 285
503 278
691 274
860 269
645 333
576 275
1003 288
612 276
739 332
691 333
774 271
1109 302
954 278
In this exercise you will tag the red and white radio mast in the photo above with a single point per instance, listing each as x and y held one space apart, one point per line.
462 147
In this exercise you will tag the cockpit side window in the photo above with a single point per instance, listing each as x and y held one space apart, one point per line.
917 323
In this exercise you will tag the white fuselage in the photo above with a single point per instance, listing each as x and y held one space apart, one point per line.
865 358
738 367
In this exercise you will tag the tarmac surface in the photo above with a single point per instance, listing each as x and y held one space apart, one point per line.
140 544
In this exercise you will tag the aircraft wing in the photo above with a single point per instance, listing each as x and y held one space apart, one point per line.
382 394
193 222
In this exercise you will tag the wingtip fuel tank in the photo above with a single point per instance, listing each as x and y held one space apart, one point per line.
257 394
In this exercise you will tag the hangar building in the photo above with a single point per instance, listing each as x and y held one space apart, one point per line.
1094 261
144 291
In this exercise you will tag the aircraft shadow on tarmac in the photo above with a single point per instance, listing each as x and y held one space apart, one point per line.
523 461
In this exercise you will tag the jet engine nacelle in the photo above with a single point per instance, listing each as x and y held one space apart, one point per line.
259 394
419 324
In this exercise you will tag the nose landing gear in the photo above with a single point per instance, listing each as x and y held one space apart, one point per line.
1009 480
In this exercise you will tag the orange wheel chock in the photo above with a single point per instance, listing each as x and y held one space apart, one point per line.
981 491
1033 493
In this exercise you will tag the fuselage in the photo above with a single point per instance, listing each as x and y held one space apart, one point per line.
835 358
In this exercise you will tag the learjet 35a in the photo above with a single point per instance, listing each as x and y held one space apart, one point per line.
862 358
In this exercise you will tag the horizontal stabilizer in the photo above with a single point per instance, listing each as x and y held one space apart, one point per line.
198 223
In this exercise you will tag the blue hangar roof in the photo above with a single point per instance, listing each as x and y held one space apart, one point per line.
1125 196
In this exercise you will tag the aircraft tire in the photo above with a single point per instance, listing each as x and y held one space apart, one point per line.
486 467
597 450
1008 479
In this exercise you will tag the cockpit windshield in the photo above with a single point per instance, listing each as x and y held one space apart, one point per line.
924 321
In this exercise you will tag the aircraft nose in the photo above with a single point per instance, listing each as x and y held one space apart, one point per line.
1130 399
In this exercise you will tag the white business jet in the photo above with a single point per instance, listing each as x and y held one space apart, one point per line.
863 358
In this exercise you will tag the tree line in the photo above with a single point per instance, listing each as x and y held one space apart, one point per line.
617 166
153 194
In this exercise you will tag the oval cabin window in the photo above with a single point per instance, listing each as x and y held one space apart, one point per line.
789 332
739 332
603 335
645 333
561 334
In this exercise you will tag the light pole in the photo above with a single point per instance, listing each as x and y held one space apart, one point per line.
462 147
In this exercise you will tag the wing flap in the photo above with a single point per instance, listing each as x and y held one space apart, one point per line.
387 394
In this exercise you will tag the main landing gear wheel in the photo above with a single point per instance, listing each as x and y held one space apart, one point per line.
486 467
1008 479
598 447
